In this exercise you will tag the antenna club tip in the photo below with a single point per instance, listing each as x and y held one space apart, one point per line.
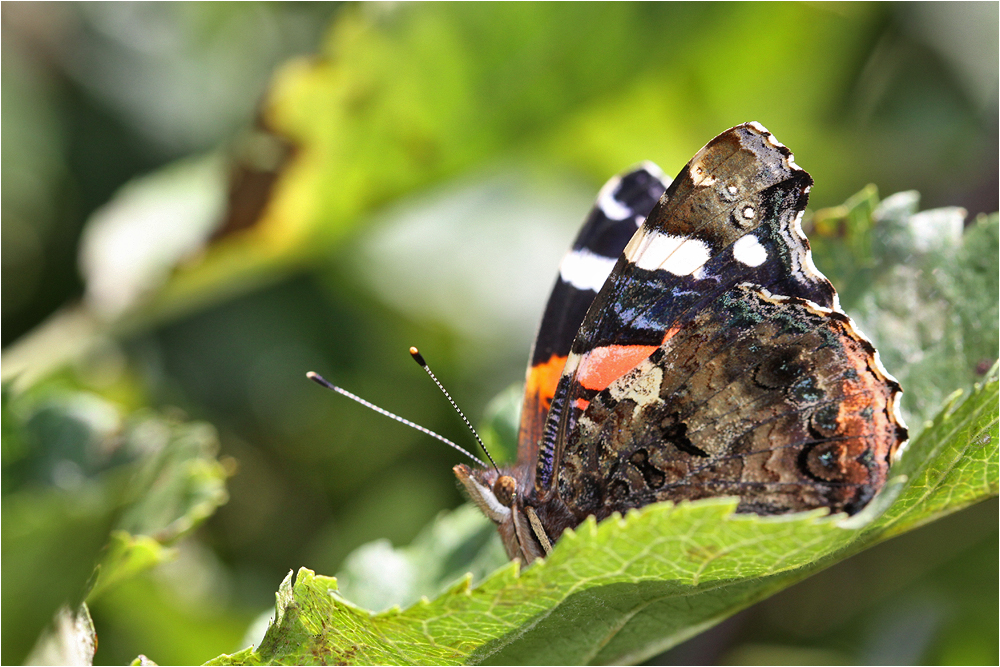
417 356
317 378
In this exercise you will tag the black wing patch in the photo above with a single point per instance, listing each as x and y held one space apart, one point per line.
620 209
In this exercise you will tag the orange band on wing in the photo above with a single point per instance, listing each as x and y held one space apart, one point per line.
543 379
540 387
604 365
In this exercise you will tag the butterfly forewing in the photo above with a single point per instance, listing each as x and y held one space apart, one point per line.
666 392
621 207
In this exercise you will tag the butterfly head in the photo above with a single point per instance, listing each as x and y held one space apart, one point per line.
501 497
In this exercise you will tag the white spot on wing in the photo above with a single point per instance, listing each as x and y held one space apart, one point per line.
748 250
679 255
641 384
610 206
655 170
586 270
700 177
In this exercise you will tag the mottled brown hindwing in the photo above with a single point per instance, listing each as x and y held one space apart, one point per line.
772 399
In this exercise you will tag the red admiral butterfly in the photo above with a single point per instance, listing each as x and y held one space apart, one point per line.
703 355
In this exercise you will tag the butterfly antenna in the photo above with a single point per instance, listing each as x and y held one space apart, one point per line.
417 357
320 380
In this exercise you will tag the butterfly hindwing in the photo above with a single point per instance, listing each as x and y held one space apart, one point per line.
776 401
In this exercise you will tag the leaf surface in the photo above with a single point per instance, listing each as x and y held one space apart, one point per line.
631 587
85 483
634 586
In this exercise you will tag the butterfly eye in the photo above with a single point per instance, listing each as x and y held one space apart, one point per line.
504 489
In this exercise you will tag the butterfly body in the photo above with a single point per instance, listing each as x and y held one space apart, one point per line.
702 355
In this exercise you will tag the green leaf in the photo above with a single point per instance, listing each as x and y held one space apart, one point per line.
124 556
82 483
59 502
178 485
927 295
501 422
953 464
378 577
52 536
619 591
632 587
403 99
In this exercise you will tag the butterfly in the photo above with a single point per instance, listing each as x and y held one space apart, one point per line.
690 349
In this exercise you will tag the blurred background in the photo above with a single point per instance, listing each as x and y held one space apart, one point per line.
203 201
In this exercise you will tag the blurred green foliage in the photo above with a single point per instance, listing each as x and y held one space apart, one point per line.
92 497
414 180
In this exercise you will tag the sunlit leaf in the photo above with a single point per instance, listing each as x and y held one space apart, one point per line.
403 98
178 484
628 588
56 513
631 587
